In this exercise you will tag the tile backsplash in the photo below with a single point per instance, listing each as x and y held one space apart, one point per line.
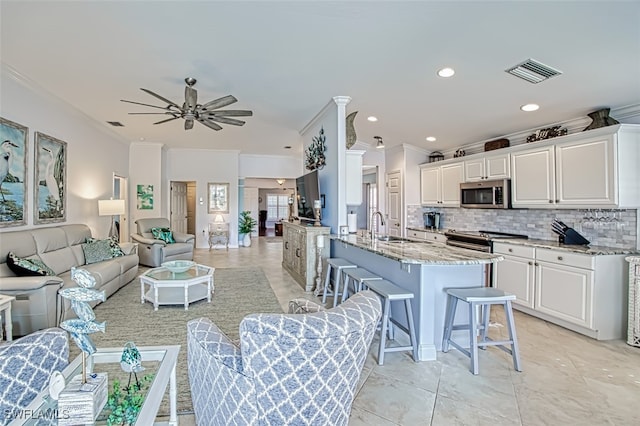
603 227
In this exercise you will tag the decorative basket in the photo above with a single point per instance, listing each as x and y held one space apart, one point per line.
633 334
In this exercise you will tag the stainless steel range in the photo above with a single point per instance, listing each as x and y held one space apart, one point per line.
477 240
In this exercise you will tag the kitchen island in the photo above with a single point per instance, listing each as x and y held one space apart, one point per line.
426 269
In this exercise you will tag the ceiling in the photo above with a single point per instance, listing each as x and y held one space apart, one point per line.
286 60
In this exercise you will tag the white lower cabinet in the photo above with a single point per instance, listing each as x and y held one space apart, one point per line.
585 293
426 235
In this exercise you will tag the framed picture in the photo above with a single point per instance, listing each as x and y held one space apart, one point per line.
50 180
13 173
218 199
144 197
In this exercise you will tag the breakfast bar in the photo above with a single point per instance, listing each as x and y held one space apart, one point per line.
425 269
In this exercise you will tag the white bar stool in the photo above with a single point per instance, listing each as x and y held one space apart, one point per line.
483 297
357 276
392 293
336 264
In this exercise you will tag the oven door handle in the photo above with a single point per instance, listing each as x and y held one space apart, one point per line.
469 246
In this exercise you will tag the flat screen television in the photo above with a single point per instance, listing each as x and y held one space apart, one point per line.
307 190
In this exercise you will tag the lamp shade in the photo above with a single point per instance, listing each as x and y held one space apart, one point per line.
219 219
110 207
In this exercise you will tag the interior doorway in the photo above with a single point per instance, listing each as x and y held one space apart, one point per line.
183 206
121 192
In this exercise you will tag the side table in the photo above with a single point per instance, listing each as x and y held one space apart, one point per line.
5 313
218 234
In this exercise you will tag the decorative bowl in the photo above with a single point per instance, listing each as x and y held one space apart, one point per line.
177 266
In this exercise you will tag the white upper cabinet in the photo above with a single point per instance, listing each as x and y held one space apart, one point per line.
487 167
533 177
596 169
440 185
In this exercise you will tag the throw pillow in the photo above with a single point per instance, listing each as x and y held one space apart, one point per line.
163 234
23 267
97 251
116 251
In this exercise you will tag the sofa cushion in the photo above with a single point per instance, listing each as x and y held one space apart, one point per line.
163 234
23 267
97 251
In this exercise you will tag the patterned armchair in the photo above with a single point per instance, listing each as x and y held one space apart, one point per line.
25 367
290 369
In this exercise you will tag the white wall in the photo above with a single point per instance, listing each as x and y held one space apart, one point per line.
94 152
204 166
270 166
146 169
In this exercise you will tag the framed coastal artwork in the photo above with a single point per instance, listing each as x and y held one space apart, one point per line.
13 173
50 179
144 197
218 199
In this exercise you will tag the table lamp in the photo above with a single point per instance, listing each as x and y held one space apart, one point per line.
111 208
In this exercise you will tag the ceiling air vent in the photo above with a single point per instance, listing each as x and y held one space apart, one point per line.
533 71
116 123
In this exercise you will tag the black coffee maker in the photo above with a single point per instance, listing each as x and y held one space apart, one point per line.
431 220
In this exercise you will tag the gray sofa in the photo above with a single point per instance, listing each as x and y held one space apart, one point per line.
154 252
60 247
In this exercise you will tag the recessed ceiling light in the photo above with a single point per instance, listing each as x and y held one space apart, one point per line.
446 72
430 139
372 118
530 107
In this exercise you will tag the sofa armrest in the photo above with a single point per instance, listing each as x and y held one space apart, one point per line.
30 283
183 238
129 248
142 240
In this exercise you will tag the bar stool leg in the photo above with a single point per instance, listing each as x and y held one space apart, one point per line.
452 303
327 280
412 330
473 340
486 313
515 353
383 330
346 283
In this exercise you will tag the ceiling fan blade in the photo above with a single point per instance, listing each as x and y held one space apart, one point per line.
188 124
190 97
209 124
231 113
168 119
219 103
226 120
139 103
160 97
149 113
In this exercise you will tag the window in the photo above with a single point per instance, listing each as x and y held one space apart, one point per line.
277 206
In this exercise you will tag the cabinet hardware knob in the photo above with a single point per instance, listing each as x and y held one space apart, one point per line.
537 264
559 257
286 245
510 250
557 201
530 263
550 201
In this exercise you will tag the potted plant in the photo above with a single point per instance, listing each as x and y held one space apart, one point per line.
246 224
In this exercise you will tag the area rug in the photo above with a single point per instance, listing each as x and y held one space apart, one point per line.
238 292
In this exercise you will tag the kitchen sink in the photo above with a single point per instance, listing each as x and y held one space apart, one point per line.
392 239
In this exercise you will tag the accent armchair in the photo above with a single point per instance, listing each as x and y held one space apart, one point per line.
26 365
289 369
153 252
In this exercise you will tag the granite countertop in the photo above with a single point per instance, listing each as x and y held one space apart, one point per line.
413 252
554 245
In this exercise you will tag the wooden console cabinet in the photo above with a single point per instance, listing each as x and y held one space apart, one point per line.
300 251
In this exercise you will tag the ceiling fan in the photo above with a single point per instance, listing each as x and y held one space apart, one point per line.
192 111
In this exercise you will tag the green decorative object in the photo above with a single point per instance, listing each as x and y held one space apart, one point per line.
124 403
246 224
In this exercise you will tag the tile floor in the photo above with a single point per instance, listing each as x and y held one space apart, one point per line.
568 379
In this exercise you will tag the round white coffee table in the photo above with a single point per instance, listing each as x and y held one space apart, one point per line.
163 287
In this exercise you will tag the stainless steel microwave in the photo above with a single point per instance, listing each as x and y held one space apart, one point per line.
488 194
